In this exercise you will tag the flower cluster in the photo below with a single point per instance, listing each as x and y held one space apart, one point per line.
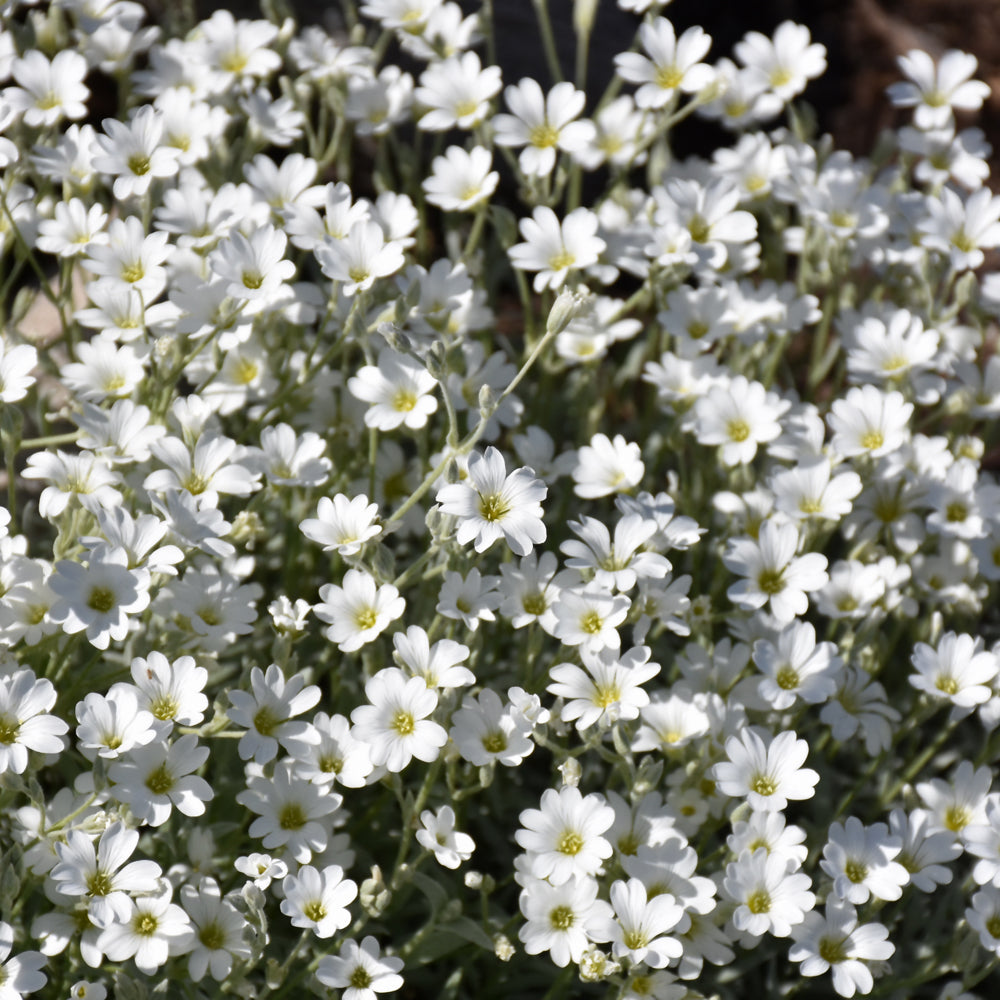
416 576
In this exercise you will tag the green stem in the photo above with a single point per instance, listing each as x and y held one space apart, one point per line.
548 38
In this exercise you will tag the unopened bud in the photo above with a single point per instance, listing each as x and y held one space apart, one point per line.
571 772
502 948
583 17
374 894
487 402
567 306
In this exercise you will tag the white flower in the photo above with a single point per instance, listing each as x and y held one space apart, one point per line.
318 900
342 524
868 421
554 248
48 91
564 837
113 725
159 776
767 774
456 93
959 670
99 597
359 611
859 859
671 63
438 834
543 123
608 691
471 599
135 152
639 930
773 574
492 504
268 714
738 416
20 974
460 181
484 731
360 971
935 89
796 667
607 466
785 63
769 897
218 928
439 664
253 268
837 942
398 389
589 618
364 256
561 919
395 723
984 917
156 930
25 722
291 813
16 363
99 874
261 868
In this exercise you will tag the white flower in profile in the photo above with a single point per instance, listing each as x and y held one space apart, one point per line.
48 91
360 970
835 942
342 524
460 181
934 90
607 466
437 834
395 723
255 267
616 563
262 869
561 919
491 504
16 363
738 416
360 259
564 838
671 64
769 898
290 459
859 860
554 248
268 715
134 153
984 917
925 852
398 389
359 611
959 670
318 900
542 123
811 490
101 875
767 774
785 63
772 572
